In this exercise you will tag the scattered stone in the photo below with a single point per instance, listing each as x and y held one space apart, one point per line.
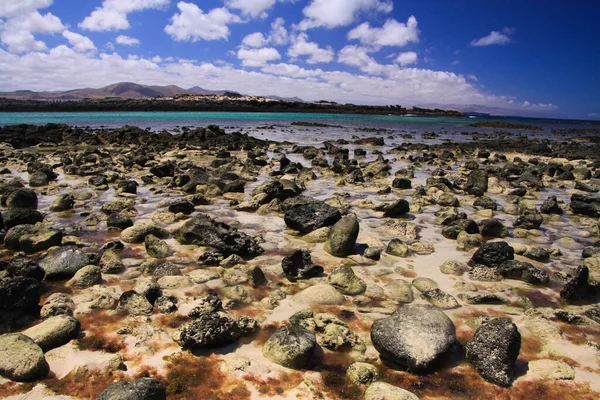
385 391
134 303
400 290
424 284
550 370
299 265
319 295
362 373
156 247
578 288
345 280
493 351
291 346
396 210
140 389
138 232
64 202
213 330
440 299
21 359
54 332
414 336
397 248
58 304
64 262
481 298
452 267
493 254
342 237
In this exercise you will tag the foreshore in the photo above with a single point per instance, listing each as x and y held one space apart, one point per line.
209 263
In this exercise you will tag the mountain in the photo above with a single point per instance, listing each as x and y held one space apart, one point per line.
202 91
126 90
297 99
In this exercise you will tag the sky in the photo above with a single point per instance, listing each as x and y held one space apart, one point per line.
525 57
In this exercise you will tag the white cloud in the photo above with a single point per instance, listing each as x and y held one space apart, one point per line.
22 21
358 57
473 78
62 68
11 8
79 42
112 15
257 57
393 33
302 47
336 13
256 39
291 70
594 115
253 8
192 24
279 34
407 58
127 41
494 37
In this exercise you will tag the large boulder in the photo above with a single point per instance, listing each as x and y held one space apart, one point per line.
342 237
64 262
39 240
494 349
493 228
578 288
492 254
523 271
414 336
290 346
202 230
19 295
312 216
397 209
529 220
585 204
299 265
140 389
21 266
22 216
22 199
477 183
54 332
214 330
21 359
551 206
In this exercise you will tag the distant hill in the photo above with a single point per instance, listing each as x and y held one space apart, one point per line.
126 90
202 91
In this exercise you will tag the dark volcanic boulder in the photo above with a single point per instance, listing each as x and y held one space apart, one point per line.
119 221
163 170
202 230
299 265
578 288
291 346
22 198
181 206
21 266
456 227
19 295
529 220
214 330
22 217
414 336
493 227
477 183
397 209
343 235
493 351
310 217
492 254
63 202
140 389
523 271
585 204
551 206
64 262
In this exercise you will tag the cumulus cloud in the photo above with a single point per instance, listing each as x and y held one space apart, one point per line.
38 71
407 58
127 41
192 24
257 57
256 39
494 38
336 13
79 42
302 47
23 20
392 33
358 56
112 15
253 8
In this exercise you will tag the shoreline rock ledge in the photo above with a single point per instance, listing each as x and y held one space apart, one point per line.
414 336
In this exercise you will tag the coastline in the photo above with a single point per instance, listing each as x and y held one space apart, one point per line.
232 172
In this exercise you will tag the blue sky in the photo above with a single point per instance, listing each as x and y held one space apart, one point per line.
505 56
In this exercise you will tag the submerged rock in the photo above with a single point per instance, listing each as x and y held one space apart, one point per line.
290 346
494 349
414 336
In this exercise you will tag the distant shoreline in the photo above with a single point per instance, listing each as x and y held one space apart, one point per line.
154 105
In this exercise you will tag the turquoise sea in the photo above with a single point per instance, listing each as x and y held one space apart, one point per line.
169 120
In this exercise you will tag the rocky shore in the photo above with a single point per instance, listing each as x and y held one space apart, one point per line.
213 264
